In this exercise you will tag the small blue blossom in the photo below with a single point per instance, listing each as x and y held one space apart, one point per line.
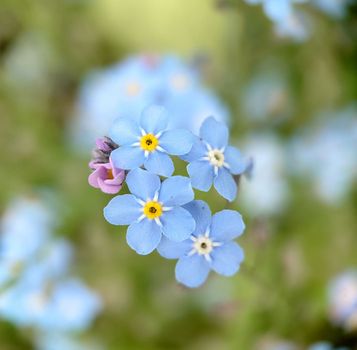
268 191
325 346
212 161
295 26
266 95
288 22
342 295
64 341
332 139
64 306
210 247
148 143
334 8
152 209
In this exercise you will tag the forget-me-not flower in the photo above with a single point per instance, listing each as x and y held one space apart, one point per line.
152 209
343 300
148 143
210 247
212 161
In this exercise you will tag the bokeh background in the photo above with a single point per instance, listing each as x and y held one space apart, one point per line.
292 108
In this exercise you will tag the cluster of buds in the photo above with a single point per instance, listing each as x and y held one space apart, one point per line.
105 175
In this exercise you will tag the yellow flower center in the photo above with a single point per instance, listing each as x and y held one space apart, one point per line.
203 245
110 175
149 142
133 88
152 210
216 157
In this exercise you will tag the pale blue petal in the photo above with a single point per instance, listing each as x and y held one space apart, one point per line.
201 174
143 184
143 236
174 250
192 271
225 184
177 142
234 159
198 151
227 258
124 131
178 224
226 225
277 10
122 210
154 119
176 191
127 157
201 213
159 163
214 133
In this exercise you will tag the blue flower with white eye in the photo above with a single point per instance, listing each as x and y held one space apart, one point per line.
213 161
148 143
210 247
152 209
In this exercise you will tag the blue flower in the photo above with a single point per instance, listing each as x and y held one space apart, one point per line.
325 346
213 161
334 8
148 142
210 247
153 209
65 306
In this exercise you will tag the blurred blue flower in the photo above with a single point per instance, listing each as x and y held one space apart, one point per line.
266 96
63 341
295 26
25 229
128 87
148 142
331 142
210 247
213 161
48 305
334 8
35 288
268 191
288 22
153 209
343 300
72 307
325 346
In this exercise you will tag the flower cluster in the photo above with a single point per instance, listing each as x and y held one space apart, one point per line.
161 212
125 89
37 290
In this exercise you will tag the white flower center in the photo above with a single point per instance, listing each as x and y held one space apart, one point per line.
216 157
203 245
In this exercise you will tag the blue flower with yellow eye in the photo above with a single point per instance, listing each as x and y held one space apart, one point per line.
148 143
212 161
152 209
210 247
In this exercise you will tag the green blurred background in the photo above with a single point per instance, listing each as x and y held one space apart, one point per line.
47 48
